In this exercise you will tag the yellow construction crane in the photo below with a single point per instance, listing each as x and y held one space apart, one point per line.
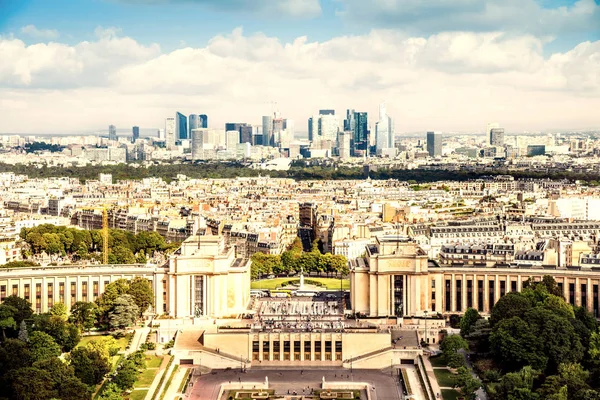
104 210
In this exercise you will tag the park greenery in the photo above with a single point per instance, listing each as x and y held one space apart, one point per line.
39 353
42 146
123 247
295 260
299 170
534 346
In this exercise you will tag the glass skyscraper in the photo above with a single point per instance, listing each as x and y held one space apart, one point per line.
197 121
181 126
357 123
112 132
135 134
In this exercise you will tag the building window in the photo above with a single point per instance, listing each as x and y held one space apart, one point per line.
502 288
480 295
458 295
513 286
595 300
198 296
584 296
492 296
399 295
61 292
469 293
84 291
73 292
15 290
572 294
95 288
2 292
26 290
433 283
448 295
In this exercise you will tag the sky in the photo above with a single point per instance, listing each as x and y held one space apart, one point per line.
446 65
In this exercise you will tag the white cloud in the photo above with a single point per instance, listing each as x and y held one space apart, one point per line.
448 81
473 15
33 32
56 65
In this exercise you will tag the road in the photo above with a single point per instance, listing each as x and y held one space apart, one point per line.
383 386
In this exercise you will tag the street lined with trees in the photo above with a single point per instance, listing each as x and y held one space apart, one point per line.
295 260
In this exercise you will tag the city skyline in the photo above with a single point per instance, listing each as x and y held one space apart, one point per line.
486 62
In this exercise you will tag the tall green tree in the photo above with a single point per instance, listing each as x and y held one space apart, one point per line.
42 346
468 321
89 366
84 314
124 312
7 318
141 291
23 307
31 384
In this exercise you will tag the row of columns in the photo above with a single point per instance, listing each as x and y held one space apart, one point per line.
271 355
47 298
508 280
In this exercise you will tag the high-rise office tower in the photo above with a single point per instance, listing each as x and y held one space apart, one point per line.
326 112
232 139
313 128
344 143
135 134
488 132
203 120
328 127
181 131
196 121
434 143
244 129
112 132
496 134
198 139
357 123
267 130
170 132
323 128
288 125
497 137
384 136
349 122
246 133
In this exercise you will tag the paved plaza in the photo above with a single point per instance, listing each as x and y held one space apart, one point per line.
382 385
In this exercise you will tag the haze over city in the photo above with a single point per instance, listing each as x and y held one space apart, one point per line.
76 67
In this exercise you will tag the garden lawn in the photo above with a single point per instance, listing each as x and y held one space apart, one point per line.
153 361
444 377
329 283
450 394
86 339
137 395
437 361
145 379
122 342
